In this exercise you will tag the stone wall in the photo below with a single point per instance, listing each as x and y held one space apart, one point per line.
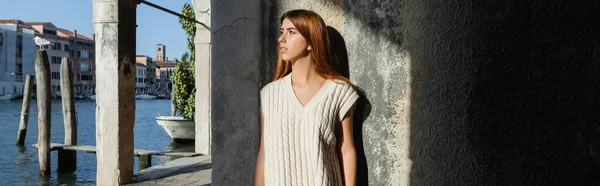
235 66
455 93
504 92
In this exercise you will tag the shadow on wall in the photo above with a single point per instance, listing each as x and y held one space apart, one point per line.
362 108
504 93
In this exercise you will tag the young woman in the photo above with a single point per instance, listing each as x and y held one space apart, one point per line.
306 112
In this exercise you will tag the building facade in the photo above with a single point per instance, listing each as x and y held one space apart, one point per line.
150 72
78 49
55 51
16 55
141 80
81 54
164 69
163 75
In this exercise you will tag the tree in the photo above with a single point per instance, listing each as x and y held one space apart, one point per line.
184 94
190 29
183 77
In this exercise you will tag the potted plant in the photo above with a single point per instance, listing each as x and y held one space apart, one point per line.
182 129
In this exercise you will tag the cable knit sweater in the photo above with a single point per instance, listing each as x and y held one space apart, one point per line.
299 141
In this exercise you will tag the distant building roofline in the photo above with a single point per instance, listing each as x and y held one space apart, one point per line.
36 23
68 33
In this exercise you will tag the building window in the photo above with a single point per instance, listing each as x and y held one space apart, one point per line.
19 46
83 54
55 60
84 67
56 46
55 75
66 48
50 32
86 77
1 42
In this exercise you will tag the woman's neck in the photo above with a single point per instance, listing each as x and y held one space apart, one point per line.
304 72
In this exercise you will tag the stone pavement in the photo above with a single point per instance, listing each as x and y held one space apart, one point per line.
183 171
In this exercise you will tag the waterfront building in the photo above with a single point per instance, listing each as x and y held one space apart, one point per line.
78 49
164 69
151 84
140 79
55 51
16 55
81 54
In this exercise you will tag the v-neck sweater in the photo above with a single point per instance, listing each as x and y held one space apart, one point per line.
300 144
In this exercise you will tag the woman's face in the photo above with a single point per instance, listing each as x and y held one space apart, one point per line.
292 45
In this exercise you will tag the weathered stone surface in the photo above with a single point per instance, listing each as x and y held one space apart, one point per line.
182 171
370 43
115 28
235 67
476 93
203 78
503 92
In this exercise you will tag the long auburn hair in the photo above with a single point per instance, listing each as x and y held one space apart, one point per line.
312 27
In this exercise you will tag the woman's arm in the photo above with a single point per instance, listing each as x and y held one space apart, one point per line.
259 170
347 150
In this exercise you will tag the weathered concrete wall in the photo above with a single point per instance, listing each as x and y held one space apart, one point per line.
235 67
203 77
114 24
372 41
454 93
504 92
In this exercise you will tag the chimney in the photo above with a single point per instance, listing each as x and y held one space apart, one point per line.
93 37
75 33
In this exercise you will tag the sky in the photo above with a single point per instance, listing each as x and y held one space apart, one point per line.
154 26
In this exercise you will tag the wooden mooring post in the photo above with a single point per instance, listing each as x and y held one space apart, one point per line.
67 160
42 77
144 161
25 111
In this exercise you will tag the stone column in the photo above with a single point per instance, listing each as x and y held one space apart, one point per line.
115 28
203 80
235 78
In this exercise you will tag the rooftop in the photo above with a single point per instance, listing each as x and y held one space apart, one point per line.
36 23
67 33
19 23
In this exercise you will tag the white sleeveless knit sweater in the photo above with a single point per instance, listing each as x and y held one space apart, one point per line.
299 141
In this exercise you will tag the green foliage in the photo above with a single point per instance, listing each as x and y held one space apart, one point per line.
183 78
190 29
184 94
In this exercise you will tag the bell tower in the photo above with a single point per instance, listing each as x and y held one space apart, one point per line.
161 52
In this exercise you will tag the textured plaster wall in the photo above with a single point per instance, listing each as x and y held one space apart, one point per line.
474 93
372 38
235 67
505 92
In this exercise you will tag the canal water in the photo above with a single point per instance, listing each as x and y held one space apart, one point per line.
19 166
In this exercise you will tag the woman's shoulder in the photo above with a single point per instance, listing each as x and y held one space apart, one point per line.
271 86
344 89
342 85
